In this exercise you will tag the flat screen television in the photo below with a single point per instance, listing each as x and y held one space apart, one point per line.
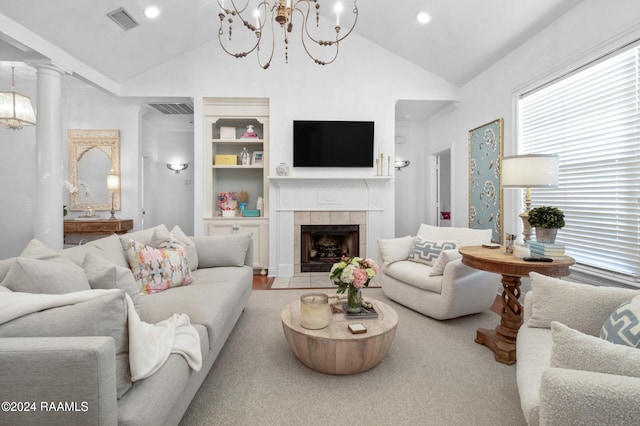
333 143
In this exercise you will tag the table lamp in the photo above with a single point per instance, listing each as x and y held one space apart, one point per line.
113 184
530 171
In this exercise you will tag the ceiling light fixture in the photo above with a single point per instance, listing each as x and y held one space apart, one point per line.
16 110
424 17
151 12
176 167
262 15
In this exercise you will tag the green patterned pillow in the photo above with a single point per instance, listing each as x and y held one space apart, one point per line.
159 269
623 325
425 251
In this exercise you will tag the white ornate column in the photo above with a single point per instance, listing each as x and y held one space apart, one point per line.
49 150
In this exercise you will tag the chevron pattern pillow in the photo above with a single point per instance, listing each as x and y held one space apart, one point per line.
425 251
623 326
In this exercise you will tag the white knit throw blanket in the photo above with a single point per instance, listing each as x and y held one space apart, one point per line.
149 344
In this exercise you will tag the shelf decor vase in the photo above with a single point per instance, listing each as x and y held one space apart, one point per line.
546 235
354 300
282 169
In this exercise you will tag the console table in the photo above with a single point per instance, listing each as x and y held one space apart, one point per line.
98 227
502 340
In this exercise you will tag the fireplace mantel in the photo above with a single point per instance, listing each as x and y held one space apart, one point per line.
297 181
324 197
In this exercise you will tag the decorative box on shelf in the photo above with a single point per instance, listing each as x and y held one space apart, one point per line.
227 132
226 160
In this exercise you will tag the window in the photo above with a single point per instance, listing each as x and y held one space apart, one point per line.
591 118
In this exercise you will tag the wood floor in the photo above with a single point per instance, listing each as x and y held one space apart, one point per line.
264 283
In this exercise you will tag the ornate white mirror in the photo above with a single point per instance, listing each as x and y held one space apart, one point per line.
93 154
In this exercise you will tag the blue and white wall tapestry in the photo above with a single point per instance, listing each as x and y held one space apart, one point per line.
485 192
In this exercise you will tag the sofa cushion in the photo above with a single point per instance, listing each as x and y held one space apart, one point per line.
463 236
109 247
103 274
143 236
42 270
104 315
426 251
445 257
159 236
564 301
623 325
5 265
395 249
415 274
578 351
158 269
226 250
189 246
214 294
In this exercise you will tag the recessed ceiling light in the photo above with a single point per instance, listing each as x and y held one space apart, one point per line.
424 17
152 12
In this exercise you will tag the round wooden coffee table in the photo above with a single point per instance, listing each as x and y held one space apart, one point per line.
333 349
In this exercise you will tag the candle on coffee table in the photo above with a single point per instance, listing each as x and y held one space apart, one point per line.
314 311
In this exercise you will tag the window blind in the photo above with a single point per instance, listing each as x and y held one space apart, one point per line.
592 120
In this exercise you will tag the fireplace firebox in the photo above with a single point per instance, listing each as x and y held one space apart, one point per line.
323 245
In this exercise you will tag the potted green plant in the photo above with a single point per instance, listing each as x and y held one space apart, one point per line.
547 220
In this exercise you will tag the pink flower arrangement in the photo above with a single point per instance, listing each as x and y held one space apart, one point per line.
353 272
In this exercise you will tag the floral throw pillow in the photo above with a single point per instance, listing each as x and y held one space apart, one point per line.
157 269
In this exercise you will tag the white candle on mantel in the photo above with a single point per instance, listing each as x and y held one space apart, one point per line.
314 311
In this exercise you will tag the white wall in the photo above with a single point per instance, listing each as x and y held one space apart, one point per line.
411 183
363 84
587 31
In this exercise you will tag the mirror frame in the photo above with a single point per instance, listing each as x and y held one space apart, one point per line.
80 142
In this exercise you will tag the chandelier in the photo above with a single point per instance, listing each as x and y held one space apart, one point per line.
16 109
286 13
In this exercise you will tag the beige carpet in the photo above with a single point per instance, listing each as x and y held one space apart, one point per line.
433 374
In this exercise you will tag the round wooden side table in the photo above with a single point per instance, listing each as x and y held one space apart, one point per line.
502 340
334 349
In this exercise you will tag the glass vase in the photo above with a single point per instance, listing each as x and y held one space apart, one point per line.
354 300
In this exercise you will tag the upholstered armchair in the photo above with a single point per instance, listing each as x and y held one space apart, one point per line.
425 272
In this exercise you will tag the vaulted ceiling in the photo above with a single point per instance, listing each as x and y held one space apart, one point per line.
463 38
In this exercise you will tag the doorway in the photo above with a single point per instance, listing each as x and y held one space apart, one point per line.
442 187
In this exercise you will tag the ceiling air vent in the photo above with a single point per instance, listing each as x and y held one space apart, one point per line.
173 108
123 19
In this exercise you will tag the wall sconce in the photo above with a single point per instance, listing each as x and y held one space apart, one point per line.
177 167
113 184
401 164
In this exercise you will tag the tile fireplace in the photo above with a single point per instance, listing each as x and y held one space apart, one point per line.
349 202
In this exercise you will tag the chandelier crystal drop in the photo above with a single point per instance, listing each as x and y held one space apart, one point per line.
258 17
16 110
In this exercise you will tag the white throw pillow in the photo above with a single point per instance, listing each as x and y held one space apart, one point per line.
443 259
578 351
569 303
395 249
426 251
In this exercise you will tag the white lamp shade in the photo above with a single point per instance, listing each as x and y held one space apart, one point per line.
113 182
530 171
16 109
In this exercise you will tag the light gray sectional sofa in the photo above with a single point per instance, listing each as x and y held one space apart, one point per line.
70 363
566 373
